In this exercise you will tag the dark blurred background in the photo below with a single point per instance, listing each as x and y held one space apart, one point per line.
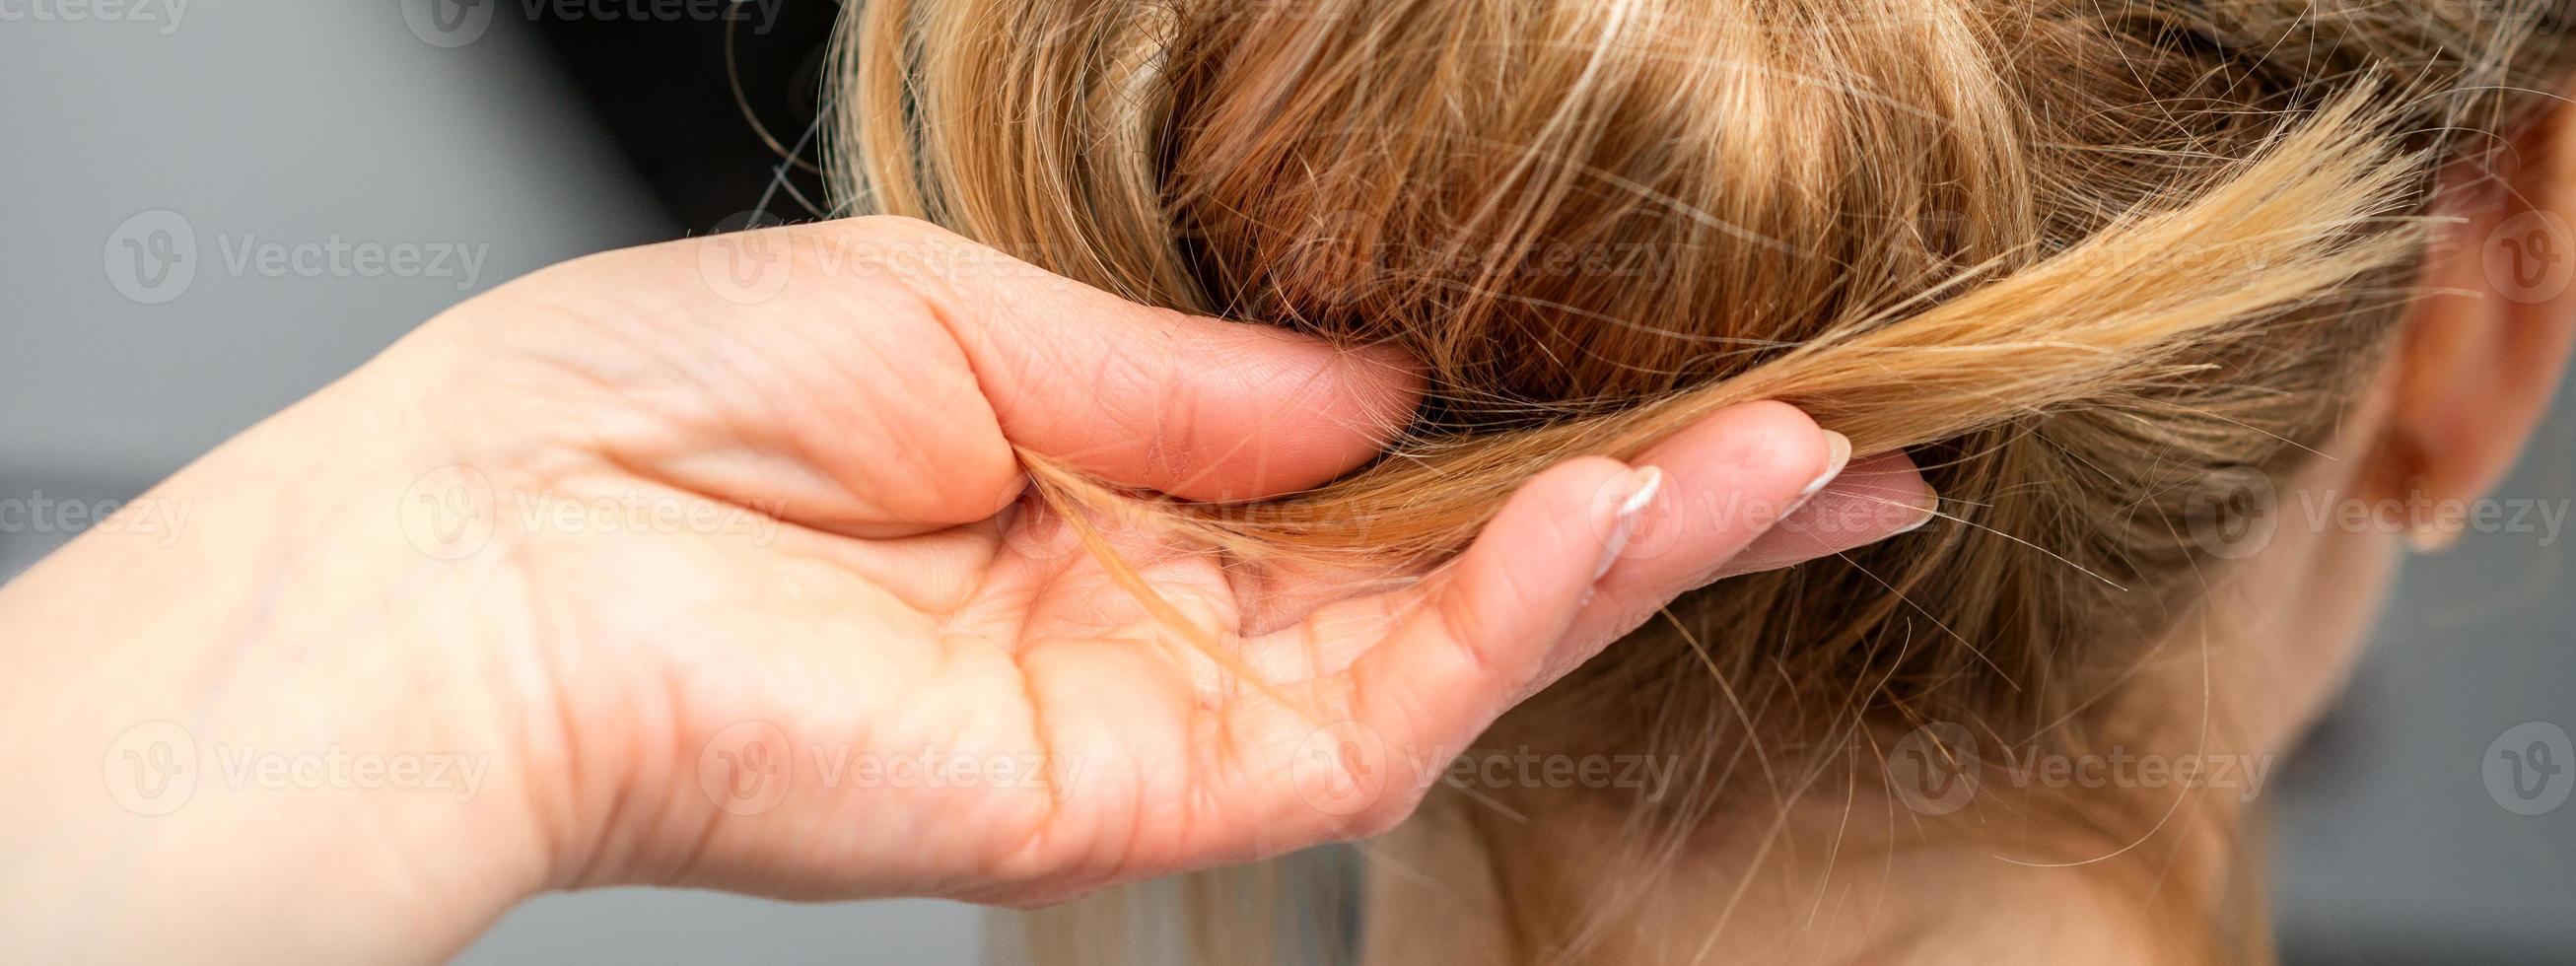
530 131
713 113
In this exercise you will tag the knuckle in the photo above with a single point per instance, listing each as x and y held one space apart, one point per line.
1455 616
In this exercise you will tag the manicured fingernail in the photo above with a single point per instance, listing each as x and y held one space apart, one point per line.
1931 512
1623 521
1838 455
1839 446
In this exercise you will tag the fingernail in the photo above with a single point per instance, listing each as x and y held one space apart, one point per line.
1623 521
1838 450
1839 446
1931 512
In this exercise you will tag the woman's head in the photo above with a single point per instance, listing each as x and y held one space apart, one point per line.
2118 276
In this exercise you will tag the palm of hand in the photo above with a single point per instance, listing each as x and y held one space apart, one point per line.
983 706
864 663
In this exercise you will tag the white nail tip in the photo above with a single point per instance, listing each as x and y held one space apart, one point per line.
1653 478
1929 514
1623 522
1834 464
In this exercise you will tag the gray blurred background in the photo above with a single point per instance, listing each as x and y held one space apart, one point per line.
255 125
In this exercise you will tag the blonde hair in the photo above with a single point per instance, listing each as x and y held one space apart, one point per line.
2081 259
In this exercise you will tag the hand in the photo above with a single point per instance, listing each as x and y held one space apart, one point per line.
715 563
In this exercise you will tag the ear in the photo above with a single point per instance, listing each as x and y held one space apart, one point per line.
2482 352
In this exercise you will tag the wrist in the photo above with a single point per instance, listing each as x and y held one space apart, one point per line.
283 683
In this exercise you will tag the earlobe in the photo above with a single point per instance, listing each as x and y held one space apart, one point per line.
2483 351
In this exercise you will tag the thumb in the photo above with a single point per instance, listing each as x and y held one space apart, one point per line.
1198 407
877 377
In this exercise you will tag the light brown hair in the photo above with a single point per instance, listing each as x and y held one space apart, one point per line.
2092 264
